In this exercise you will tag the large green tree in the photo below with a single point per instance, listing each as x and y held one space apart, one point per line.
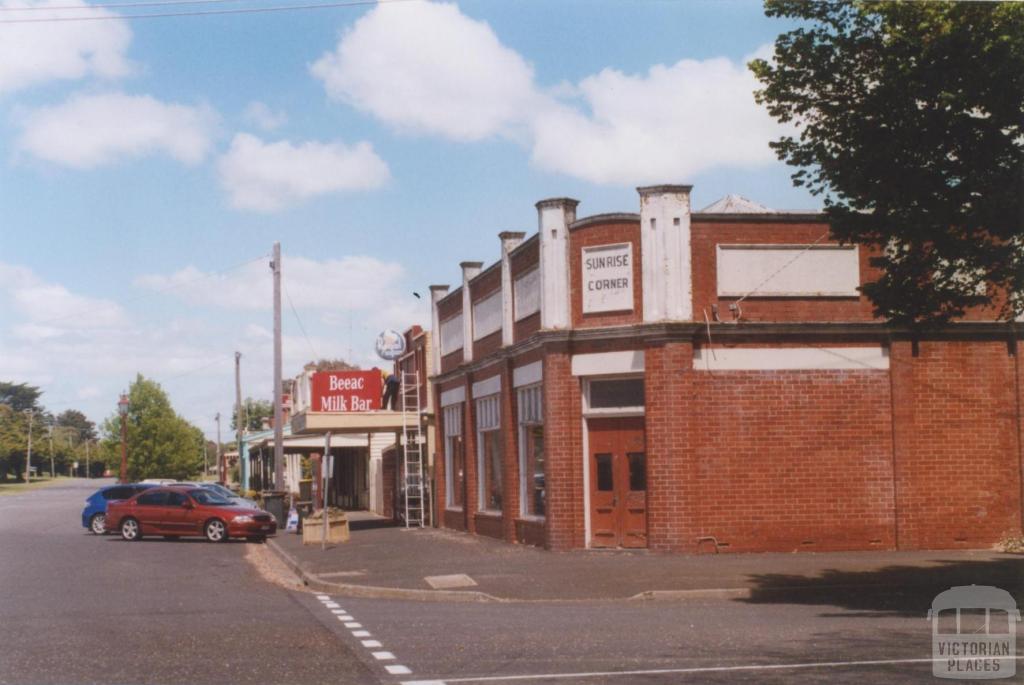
908 120
161 444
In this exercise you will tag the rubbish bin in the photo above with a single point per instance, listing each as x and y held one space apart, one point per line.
273 503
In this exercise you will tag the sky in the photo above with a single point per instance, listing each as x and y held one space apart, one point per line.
148 166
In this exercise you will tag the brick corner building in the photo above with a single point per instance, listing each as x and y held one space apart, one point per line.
713 381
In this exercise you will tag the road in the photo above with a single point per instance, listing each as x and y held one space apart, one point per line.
77 608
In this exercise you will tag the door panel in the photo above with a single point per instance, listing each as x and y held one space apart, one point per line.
618 483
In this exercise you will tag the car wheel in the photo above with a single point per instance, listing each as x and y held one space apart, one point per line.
130 530
216 531
98 524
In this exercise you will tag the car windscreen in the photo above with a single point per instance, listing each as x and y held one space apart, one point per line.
219 489
204 496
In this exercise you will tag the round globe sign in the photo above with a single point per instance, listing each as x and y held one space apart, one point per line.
390 345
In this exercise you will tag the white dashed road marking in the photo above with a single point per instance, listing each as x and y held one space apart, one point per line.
356 630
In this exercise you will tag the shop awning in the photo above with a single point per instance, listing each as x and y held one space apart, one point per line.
317 423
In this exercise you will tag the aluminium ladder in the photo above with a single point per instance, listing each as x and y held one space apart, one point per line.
412 452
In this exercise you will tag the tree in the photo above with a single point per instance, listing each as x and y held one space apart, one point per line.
254 411
19 396
84 429
909 122
330 365
161 444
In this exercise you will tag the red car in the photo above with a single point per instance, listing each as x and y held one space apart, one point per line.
178 512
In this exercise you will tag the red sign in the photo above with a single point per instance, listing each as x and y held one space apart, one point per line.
345 391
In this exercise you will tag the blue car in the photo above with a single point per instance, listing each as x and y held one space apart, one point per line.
94 516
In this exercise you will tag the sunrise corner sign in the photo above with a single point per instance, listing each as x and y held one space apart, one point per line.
390 344
608 278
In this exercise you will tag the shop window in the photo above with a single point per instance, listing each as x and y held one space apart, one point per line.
533 485
454 457
617 393
489 452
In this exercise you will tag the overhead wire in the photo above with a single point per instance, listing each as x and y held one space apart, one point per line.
200 13
113 5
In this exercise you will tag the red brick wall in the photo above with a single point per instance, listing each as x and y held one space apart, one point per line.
487 345
603 234
957 432
489 525
510 456
524 328
794 460
530 532
563 444
671 474
705 235
526 256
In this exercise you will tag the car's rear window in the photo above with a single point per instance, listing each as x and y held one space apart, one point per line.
117 493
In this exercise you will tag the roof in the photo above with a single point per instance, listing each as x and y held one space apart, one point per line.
736 204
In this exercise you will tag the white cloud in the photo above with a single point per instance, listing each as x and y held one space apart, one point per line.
666 125
357 283
427 67
270 176
35 53
51 310
259 114
88 131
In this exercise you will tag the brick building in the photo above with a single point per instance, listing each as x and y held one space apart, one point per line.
713 381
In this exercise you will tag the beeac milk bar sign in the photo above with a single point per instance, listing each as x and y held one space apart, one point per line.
345 391
608 278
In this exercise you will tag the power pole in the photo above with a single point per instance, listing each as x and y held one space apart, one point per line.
88 473
51 450
28 457
220 455
238 420
278 413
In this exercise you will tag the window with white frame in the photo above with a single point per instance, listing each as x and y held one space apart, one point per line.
532 483
489 452
454 457
615 395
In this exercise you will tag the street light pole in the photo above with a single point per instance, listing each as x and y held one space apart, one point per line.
122 409
220 454
278 413
51 451
28 457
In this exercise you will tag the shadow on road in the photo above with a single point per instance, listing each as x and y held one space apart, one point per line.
889 591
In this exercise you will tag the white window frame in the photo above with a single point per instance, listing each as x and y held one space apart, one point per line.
488 420
530 399
588 411
452 429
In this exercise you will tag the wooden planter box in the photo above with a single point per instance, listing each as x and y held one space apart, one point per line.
337 530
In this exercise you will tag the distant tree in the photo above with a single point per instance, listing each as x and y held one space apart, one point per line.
330 365
74 419
19 396
161 444
253 412
908 119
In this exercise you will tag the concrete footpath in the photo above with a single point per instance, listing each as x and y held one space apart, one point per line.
385 561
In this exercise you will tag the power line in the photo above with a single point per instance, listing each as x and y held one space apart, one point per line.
299 321
117 5
244 10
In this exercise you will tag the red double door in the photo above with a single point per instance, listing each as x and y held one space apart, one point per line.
618 482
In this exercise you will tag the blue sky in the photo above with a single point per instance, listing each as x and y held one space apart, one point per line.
150 164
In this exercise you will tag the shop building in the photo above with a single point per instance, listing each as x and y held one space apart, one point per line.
713 381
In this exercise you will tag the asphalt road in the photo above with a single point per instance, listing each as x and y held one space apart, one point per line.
77 609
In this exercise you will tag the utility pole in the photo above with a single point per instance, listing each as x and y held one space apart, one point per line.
88 473
242 471
51 450
278 413
220 455
28 457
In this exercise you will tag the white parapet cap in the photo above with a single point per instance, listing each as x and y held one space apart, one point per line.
527 374
606 363
453 396
873 358
487 386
